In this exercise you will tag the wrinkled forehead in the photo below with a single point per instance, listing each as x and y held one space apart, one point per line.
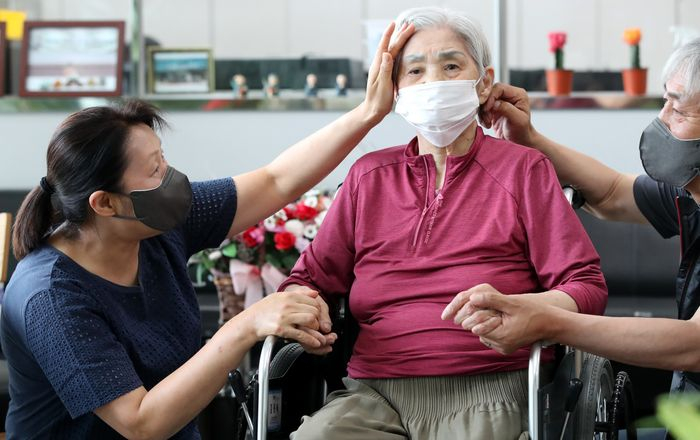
437 42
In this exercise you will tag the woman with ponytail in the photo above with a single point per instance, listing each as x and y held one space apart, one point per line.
100 323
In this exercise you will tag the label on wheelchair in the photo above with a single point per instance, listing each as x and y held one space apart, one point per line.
274 410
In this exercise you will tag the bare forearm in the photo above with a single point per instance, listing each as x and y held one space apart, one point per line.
185 393
175 401
308 161
555 298
648 342
608 193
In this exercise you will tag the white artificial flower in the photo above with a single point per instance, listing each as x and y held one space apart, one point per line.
310 231
294 226
270 223
319 218
281 214
301 244
311 202
325 202
215 255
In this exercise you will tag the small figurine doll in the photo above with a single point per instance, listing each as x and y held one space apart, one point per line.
341 85
311 87
272 85
239 84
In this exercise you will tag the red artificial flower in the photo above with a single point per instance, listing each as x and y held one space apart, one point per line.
289 212
248 237
557 40
305 212
284 241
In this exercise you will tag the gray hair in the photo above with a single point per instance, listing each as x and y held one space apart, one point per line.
684 62
466 28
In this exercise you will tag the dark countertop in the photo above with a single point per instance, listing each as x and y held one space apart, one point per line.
294 100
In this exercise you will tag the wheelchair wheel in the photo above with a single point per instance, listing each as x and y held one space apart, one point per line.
592 414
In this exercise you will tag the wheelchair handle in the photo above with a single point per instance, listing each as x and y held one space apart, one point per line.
263 386
574 196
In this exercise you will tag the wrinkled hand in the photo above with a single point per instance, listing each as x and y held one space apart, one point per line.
291 315
380 88
507 110
523 320
325 330
464 314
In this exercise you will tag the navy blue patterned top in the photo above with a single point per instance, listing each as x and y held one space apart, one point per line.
75 342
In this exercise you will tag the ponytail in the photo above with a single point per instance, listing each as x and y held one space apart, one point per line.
32 223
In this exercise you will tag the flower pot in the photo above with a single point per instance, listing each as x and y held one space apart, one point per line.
559 82
634 81
230 303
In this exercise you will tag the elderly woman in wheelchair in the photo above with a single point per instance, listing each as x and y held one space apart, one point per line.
417 225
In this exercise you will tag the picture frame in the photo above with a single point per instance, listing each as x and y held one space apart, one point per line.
180 70
72 58
3 60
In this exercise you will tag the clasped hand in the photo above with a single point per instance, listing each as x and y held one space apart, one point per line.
502 322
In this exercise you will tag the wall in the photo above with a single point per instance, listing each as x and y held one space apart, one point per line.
230 143
208 145
334 28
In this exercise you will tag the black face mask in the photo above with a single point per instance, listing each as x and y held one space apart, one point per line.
166 206
666 158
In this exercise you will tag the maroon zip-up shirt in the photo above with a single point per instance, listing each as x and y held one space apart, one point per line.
402 250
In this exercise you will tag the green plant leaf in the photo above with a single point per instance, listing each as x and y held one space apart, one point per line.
230 250
273 260
290 259
681 416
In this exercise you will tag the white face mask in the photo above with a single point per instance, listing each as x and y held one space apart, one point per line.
439 110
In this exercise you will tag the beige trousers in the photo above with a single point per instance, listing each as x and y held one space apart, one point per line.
481 407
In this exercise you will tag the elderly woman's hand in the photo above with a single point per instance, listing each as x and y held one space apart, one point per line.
464 314
502 322
524 320
380 88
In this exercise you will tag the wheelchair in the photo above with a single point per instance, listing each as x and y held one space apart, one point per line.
580 399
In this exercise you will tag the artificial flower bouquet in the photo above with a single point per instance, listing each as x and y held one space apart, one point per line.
256 261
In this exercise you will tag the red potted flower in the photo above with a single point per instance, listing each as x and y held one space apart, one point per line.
559 80
634 79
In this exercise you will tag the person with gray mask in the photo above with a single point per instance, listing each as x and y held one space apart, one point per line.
100 321
667 198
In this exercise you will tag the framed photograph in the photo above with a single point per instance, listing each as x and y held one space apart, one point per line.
180 70
72 58
3 61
